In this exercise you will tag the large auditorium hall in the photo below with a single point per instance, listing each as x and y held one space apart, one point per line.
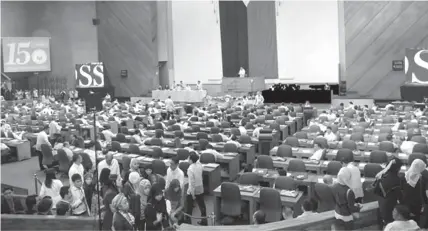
215 115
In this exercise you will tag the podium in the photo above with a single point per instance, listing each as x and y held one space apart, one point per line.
243 85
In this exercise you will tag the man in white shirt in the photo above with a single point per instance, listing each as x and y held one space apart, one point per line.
259 99
215 121
67 150
79 204
233 141
76 167
174 172
242 130
111 164
407 147
170 107
307 209
329 135
256 131
54 128
241 72
108 134
209 149
318 153
196 188
42 138
199 85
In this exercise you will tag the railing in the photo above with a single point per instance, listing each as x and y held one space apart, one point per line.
4 75
210 217
36 183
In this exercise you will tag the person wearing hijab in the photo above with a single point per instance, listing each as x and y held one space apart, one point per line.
134 166
110 191
175 198
103 180
344 199
130 187
155 212
138 209
122 218
415 188
390 182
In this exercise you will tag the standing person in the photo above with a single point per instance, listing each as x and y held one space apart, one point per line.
415 189
390 182
79 205
143 192
111 164
196 188
241 72
199 85
355 182
170 107
110 192
76 167
155 212
42 138
259 99
174 173
344 199
51 187
122 218
175 198
131 186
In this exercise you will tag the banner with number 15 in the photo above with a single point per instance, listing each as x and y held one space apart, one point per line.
26 54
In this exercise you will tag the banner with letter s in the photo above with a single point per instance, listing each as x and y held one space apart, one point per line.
416 65
90 75
26 54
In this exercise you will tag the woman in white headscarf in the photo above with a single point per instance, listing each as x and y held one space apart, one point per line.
131 185
415 188
344 199
122 218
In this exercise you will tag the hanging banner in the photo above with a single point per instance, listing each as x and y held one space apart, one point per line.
26 54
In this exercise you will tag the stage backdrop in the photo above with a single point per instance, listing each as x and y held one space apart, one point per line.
196 41
307 41
416 66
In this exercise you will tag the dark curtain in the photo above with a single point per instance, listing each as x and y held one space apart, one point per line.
262 46
234 36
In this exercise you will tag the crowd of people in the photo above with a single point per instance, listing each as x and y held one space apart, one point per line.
139 199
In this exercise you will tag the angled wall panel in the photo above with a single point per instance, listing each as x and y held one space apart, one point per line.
378 33
127 37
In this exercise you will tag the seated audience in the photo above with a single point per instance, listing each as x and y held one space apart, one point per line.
318 153
30 203
209 149
329 135
259 217
307 208
10 204
233 140
402 220
287 213
44 206
328 180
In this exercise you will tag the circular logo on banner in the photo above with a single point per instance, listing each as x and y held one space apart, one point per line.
39 56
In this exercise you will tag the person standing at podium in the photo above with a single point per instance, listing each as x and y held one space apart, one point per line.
241 73
170 107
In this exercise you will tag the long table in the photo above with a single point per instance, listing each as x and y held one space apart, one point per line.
190 96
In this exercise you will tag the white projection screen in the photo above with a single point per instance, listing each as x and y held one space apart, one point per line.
196 41
26 54
308 41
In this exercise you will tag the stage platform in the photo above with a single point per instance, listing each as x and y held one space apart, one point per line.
414 92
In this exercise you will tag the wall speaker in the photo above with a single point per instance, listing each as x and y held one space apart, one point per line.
95 21
342 88
124 73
